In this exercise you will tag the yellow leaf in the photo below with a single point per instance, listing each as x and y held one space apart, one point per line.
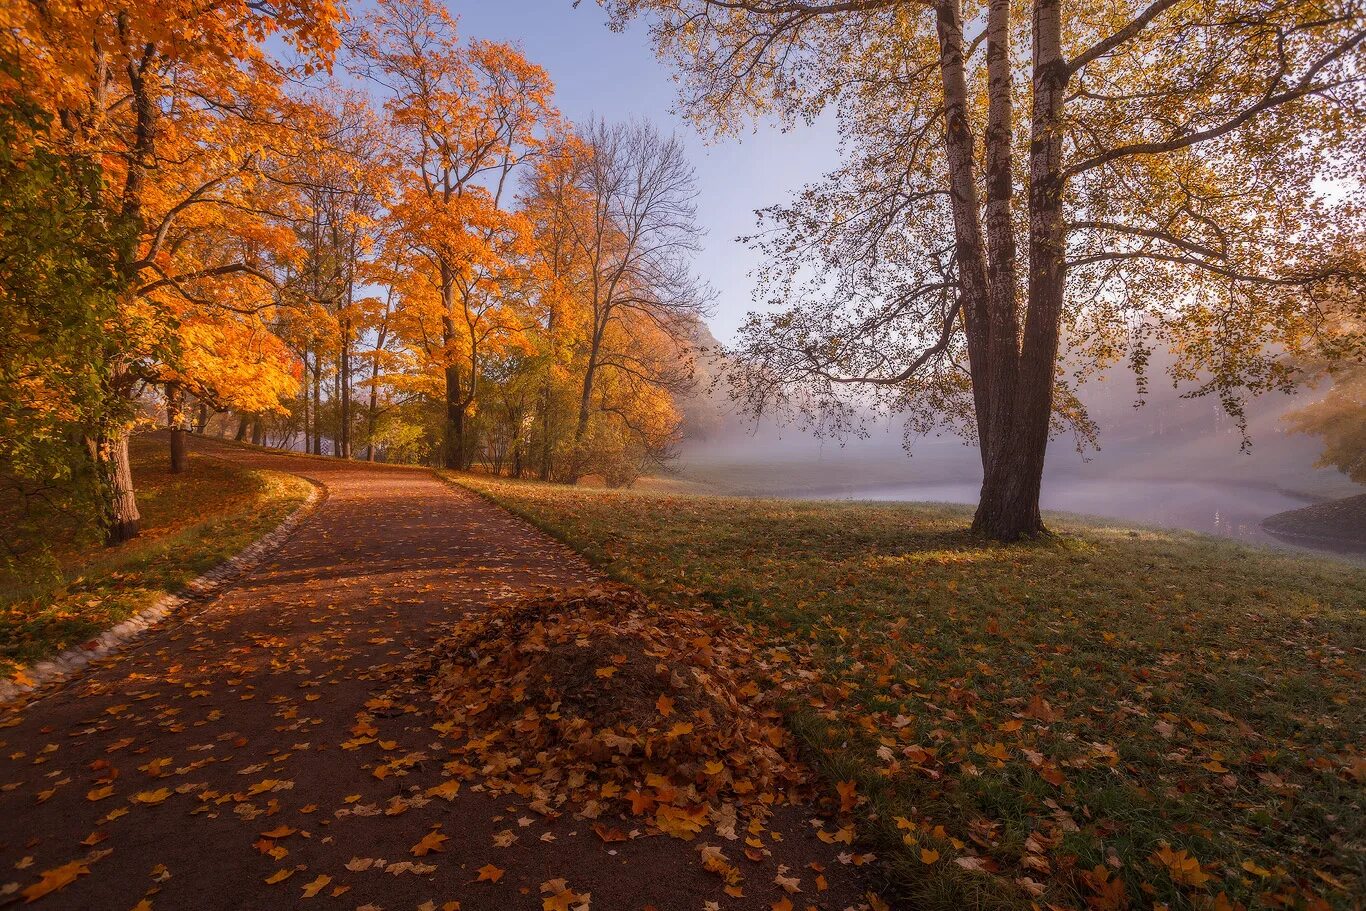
279 876
151 798
490 872
447 789
563 900
429 843
847 791
928 855
1182 867
56 878
313 888
279 832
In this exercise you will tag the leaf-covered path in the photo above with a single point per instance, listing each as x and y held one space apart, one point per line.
213 764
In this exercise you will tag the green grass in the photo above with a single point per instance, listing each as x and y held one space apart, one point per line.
1070 712
69 588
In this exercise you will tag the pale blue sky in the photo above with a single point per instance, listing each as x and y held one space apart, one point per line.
597 71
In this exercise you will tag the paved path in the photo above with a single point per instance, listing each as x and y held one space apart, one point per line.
162 767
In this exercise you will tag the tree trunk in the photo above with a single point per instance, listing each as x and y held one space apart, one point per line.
118 475
175 420
1002 345
453 439
242 422
344 415
202 422
965 206
308 406
317 405
585 398
372 409
1009 509
258 432
371 415
547 431
454 445
344 361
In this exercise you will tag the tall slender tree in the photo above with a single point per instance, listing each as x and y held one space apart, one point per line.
636 241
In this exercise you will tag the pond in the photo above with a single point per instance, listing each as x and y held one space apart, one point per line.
1227 510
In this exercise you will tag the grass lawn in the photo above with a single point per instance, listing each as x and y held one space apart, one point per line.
1109 718
69 589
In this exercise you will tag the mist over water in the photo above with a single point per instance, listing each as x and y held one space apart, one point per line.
1173 463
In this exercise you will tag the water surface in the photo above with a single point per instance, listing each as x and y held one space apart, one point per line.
1228 510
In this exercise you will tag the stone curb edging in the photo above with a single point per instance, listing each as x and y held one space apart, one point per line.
69 662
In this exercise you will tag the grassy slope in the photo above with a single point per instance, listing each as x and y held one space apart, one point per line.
1075 713
190 523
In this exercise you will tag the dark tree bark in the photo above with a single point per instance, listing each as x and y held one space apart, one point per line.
1009 508
123 506
242 422
317 405
453 455
344 411
175 421
456 451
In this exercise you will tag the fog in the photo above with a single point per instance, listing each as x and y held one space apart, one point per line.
1173 462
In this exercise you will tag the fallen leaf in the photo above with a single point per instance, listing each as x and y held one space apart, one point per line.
56 878
313 888
429 843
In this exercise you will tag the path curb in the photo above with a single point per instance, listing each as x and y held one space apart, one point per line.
68 663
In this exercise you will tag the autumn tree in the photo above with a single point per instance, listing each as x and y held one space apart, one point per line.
58 306
1338 416
341 180
1112 175
636 235
181 108
613 300
555 203
465 116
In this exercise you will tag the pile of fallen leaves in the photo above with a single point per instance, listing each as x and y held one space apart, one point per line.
595 698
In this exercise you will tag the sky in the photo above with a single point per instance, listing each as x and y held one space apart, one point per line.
616 75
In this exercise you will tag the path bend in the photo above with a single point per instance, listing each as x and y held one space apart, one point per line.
249 699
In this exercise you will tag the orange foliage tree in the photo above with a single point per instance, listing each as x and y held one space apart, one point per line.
185 114
465 117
